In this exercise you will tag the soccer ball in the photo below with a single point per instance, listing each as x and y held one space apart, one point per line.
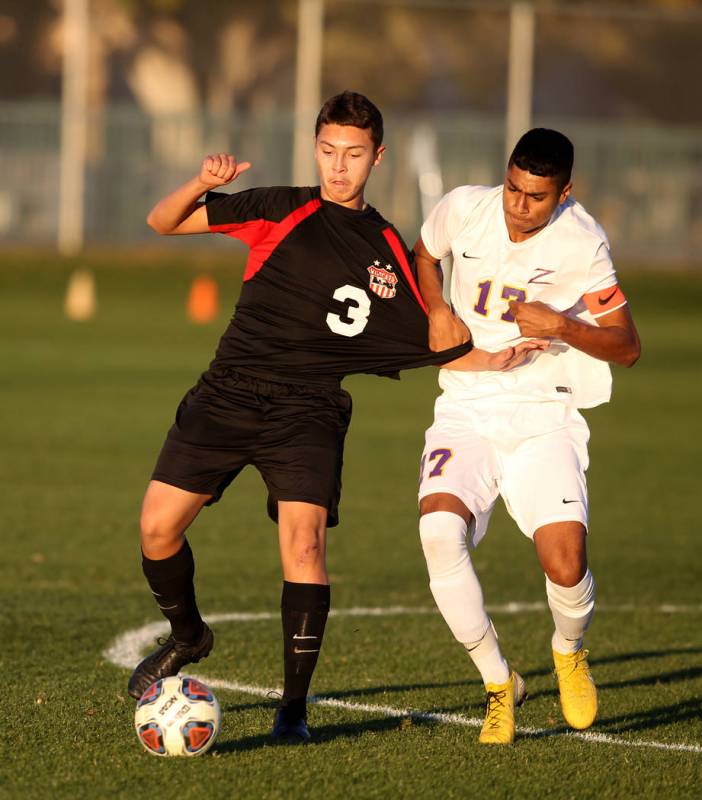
177 716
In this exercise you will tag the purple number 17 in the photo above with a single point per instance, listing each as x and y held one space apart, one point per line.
508 293
441 456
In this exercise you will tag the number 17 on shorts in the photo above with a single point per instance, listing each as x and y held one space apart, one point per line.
434 461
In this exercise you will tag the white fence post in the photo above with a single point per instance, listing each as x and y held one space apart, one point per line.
308 79
521 67
73 126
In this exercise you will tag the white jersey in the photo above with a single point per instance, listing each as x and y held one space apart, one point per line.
567 259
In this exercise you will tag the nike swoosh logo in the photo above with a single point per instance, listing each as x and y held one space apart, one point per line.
607 299
467 255
297 636
298 650
570 501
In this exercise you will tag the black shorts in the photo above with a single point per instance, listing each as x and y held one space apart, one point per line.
292 433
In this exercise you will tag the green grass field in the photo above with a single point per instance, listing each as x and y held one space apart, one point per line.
85 407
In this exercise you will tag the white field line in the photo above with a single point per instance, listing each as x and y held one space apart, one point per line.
445 719
126 651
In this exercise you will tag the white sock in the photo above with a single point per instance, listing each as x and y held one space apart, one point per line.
488 658
572 608
457 592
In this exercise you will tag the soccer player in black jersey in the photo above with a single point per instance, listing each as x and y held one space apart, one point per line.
329 290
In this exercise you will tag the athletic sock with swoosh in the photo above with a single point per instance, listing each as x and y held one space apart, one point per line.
171 582
304 610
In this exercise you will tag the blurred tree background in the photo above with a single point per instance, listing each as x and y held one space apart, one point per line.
170 80
623 60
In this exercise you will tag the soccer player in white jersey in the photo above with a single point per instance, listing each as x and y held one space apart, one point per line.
528 261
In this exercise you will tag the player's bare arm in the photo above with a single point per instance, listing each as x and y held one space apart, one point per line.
614 338
445 329
501 361
180 212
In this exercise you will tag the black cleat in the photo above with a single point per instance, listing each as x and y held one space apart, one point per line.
289 726
169 659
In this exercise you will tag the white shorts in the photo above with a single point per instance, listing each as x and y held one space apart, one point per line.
533 454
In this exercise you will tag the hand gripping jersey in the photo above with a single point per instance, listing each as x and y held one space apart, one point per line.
566 265
328 291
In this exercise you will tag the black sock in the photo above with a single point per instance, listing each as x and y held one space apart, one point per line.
304 609
171 581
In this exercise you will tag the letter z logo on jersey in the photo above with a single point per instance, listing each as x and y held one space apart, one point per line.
382 280
539 274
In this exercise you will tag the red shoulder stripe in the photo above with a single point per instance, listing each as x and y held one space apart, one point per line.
247 232
275 235
263 236
399 254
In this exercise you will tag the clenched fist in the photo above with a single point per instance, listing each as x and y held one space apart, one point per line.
536 319
446 330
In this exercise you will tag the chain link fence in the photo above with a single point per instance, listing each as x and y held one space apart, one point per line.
644 184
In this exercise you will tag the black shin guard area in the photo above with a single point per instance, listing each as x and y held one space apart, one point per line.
304 609
171 581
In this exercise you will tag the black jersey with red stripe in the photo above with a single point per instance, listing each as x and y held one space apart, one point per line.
328 291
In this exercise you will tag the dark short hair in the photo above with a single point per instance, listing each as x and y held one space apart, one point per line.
544 152
351 108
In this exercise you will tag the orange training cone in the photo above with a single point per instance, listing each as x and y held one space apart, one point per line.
80 301
203 300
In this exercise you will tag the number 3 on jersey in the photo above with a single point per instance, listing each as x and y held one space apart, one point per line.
357 310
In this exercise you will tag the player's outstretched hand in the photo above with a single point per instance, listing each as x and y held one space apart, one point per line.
446 330
478 360
220 169
512 357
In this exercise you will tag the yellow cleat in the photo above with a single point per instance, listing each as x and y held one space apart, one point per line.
577 689
502 698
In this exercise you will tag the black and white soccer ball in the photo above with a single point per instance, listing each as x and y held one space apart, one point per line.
177 716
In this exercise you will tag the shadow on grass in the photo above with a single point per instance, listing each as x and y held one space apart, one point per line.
675 676
640 719
323 734
653 717
623 723
659 678
368 691
620 657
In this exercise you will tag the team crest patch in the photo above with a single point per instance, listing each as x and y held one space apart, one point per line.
383 280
